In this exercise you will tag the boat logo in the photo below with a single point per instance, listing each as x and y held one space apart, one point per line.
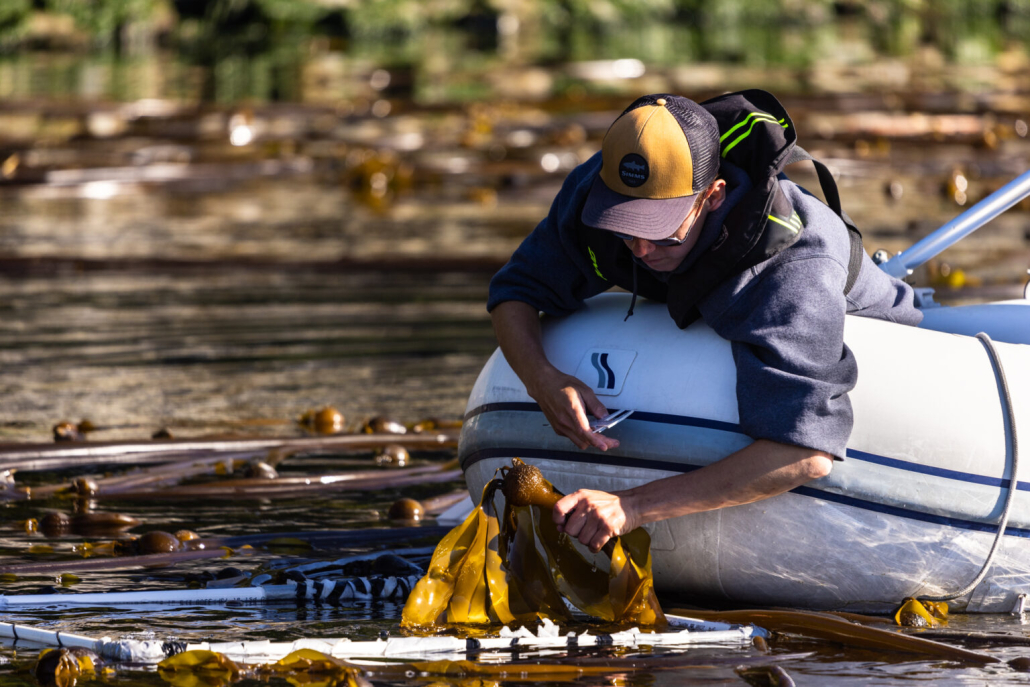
633 170
605 376
605 369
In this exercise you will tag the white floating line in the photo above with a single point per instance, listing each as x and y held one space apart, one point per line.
399 648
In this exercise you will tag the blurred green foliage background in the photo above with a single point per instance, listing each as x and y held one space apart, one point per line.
255 48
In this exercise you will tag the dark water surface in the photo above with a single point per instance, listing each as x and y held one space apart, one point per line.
153 274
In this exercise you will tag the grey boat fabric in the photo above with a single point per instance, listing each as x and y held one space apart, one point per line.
784 317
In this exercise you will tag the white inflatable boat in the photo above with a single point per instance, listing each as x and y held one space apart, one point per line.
913 509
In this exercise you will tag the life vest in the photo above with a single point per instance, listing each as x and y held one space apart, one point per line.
757 135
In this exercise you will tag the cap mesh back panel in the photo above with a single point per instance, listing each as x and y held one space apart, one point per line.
701 130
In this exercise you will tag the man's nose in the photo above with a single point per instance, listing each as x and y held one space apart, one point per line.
641 247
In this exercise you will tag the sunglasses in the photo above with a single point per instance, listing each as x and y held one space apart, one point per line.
657 242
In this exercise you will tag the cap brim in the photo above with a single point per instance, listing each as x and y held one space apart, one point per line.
647 218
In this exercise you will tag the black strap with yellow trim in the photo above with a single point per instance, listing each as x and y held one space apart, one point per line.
758 136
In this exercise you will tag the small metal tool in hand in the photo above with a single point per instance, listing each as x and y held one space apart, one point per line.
609 420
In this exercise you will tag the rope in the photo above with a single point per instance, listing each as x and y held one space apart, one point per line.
1010 418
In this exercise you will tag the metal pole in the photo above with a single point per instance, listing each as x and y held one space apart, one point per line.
902 264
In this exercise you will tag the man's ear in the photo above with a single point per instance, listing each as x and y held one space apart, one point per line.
717 194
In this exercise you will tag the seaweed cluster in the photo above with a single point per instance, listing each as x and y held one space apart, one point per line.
520 568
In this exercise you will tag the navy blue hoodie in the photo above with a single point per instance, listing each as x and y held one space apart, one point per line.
784 317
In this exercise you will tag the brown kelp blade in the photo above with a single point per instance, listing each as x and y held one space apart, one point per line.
524 569
535 577
615 584
631 583
464 583
833 629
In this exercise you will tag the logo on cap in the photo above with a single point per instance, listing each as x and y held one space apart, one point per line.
633 170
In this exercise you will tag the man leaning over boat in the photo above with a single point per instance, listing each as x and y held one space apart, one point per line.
686 204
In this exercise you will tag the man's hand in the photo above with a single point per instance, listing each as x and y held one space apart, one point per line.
592 517
565 401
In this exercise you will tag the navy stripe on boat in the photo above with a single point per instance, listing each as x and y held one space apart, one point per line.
936 472
910 514
685 421
574 457
626 461
638 415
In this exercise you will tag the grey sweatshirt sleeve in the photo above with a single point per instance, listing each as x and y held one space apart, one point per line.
547 271
794 371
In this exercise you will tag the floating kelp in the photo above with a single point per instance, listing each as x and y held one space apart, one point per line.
406 510
921 613
305 666
830 628
56 523
327 420
63 667
162 542
521 567
433 424
260 470
393 455
68 431
199 667
383 425
192 668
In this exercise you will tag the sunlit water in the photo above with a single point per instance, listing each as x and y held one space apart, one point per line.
232 298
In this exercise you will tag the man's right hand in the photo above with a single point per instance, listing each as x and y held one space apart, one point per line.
565 401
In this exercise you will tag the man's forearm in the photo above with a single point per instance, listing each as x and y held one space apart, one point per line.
517 327
758 471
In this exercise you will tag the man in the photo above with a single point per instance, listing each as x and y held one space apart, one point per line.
660 211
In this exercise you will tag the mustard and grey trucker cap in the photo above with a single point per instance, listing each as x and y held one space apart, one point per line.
656 157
